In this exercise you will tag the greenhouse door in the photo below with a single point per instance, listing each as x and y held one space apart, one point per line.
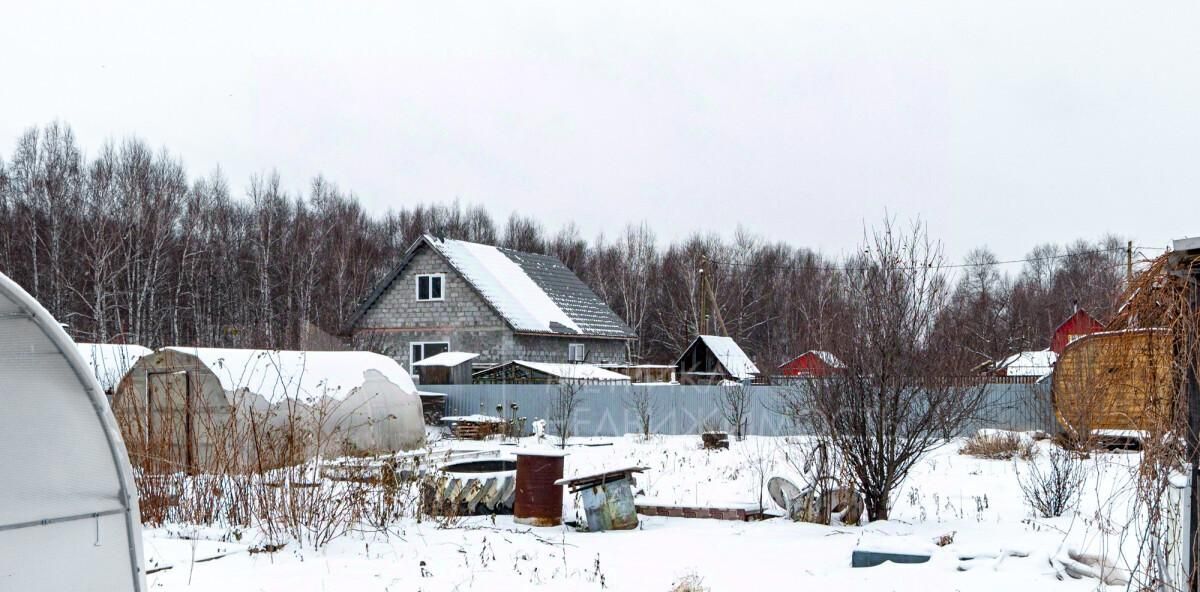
170 442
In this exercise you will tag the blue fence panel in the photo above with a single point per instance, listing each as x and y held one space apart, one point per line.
605 410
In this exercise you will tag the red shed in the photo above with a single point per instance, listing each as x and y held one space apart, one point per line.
1079 324
811 363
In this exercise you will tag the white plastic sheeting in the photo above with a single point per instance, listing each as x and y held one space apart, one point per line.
68 507
365 399
379 415
110 362
277 375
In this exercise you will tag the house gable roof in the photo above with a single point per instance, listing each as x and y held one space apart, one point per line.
826 357
532 293
728 353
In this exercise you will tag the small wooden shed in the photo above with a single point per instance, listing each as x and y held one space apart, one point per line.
1077 325
1115 380
711 359
812 364
525 372
450 367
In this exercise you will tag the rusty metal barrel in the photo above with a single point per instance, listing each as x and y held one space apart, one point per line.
538 500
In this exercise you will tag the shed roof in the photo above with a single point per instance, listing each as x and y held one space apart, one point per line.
533 293
728 353
568 371
828 358
447 359
1028 363
111 361
283 374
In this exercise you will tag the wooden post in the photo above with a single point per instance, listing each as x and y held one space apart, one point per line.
1184 258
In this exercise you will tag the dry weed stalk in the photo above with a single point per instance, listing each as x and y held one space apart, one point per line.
1160 298
999 446
265 467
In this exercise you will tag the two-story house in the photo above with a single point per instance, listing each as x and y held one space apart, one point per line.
451 295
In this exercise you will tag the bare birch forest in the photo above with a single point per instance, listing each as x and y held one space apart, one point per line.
125 246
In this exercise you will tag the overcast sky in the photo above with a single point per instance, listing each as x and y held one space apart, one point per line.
1001 123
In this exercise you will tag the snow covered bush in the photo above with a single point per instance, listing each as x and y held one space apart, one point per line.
689 583
1053 486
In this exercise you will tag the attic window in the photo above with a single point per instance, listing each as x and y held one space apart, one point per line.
429 286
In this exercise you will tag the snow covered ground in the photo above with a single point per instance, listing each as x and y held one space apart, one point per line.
979 501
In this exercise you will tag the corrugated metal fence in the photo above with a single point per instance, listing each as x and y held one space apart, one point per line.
605 410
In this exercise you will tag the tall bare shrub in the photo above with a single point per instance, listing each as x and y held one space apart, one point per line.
893 401
563 405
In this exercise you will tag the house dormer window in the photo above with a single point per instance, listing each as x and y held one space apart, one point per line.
431 286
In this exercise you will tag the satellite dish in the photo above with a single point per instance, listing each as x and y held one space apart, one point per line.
783 492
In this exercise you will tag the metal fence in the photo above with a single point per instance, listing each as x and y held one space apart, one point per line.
605 410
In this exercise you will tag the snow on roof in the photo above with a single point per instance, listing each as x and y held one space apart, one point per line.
730 355
1029 363
573 371
279 374
474 418
506 286
110 362
534 293
447 359
828 358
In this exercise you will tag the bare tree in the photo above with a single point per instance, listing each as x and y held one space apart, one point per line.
735 408
124 246
567 398
644 407
893 402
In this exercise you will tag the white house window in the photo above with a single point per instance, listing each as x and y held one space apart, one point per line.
576 352
419 350
431 286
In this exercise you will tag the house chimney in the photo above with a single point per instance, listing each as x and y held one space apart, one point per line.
1075 306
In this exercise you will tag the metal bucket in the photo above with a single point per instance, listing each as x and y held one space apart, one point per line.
538 500
609 506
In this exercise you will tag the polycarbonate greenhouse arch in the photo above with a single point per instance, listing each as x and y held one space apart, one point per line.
68 505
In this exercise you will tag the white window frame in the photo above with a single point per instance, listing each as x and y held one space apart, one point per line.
571 349
411 344
417 287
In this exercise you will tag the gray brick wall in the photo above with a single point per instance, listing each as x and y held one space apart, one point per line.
537 348
463 319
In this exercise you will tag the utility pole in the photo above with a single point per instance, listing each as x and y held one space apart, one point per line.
702 322
1129 264
706 292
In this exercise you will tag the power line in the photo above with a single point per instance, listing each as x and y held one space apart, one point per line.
841 268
